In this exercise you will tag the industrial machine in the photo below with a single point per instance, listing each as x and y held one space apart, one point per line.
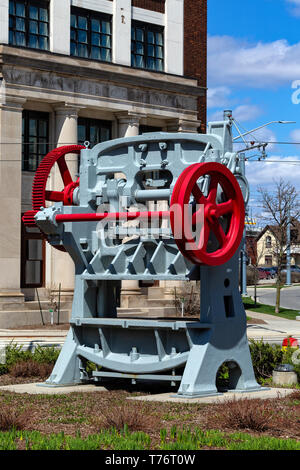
103 221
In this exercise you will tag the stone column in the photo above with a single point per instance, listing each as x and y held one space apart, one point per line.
183 125
129 124
10 196
129 127
61 265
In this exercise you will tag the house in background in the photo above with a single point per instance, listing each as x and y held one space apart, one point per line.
82 70
266 245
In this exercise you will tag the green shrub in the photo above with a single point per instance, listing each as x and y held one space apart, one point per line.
14 354
3 369
45 355
265 357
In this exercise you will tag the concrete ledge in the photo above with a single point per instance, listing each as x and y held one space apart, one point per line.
19 318
264 394
41 389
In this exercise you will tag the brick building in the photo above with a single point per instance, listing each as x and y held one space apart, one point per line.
77 70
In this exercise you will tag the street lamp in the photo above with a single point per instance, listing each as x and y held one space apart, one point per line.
260 127
228 115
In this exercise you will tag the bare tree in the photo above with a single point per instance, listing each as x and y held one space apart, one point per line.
280 206
255 255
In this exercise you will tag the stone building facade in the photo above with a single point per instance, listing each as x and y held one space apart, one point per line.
77 70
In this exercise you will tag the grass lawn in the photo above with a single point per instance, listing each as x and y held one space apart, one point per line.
269 310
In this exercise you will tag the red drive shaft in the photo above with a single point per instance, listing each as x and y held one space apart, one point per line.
94 217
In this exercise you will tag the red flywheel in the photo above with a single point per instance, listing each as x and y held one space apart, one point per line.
207 232
39 193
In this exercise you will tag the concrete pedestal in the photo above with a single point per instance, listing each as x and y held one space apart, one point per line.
284 378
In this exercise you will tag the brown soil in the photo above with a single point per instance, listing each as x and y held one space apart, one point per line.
256 321
90 412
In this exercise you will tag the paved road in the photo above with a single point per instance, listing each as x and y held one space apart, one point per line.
289 298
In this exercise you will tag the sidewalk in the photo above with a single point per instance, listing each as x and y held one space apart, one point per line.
274 330
31 338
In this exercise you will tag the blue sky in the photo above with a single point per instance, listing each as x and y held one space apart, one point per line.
254 69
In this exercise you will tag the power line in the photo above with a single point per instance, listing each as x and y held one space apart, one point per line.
289 162
269 142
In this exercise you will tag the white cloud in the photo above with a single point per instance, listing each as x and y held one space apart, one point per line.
246 112
242 113
218 96
233 61
264 173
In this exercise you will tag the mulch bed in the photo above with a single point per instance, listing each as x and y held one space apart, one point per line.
90 412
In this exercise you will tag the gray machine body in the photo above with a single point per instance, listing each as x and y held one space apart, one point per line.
135 174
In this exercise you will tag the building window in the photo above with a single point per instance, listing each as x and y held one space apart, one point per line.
147 46
268 242
93 131
294 235
143 129
268 260
32 257
35 138
29 24
91 35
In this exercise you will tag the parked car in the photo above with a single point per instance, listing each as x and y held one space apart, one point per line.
295 269
295 274
273 270
265 273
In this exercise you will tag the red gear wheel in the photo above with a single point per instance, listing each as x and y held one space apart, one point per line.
195 247
39 193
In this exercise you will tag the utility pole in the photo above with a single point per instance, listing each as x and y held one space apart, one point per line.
244 249
244 265
288 251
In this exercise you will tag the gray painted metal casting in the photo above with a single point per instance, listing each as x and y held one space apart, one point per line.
121 174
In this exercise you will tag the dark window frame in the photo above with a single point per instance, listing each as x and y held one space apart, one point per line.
26 135
269 260
90 15
88 122
147 28
26 236
14 18
268 241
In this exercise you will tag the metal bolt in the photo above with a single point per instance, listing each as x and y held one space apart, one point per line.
163 145
143 147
